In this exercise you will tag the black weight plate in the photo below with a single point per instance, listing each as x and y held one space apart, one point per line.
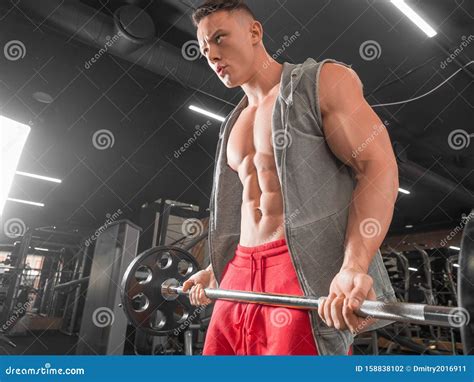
466 285
142 300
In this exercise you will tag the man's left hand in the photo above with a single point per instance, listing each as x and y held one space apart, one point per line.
349 288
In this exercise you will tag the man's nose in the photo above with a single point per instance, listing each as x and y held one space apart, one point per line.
213 55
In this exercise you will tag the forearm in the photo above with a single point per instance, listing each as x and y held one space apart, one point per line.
210 271
370 214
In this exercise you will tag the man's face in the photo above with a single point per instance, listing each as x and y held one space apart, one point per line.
225 39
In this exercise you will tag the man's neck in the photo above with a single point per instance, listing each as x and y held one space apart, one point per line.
264 80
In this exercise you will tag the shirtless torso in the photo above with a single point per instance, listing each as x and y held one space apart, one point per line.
250 155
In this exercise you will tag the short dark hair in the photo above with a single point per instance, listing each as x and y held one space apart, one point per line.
211 6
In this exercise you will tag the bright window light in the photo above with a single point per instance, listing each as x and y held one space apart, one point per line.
414 17
206 113
403 191
47 178
26 202
13 137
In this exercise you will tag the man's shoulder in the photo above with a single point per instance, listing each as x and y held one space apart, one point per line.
336 81
331 71
336 71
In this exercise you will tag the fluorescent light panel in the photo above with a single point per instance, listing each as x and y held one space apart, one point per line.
206 113
47 178
13 137
404 191
414 17
453 247
26 202
413 269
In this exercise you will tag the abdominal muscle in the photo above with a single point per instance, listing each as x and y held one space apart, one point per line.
262 205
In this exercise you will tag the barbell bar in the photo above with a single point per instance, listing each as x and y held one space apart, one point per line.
153 298
401 312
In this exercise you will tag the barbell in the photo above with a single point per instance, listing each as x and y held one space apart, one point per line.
153 298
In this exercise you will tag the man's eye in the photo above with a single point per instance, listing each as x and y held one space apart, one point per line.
218 38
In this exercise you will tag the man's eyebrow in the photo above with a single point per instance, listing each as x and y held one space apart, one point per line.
210 38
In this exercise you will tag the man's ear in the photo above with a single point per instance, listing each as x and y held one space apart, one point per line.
256 29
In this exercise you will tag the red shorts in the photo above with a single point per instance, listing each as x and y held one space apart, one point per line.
238 328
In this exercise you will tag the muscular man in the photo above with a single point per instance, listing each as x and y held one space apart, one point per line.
230 39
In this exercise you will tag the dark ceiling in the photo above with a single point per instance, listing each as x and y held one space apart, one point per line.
144 105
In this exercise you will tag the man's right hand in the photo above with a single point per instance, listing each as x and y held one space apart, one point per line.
197 283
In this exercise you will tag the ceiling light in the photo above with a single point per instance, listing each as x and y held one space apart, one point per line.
206 113
13 138
43 97
414 17
47 178
26 202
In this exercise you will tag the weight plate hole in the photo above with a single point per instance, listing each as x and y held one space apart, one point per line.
180 314
158 320
185 268
140 302
165 260
143 274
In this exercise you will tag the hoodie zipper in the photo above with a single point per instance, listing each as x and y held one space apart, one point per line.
283 184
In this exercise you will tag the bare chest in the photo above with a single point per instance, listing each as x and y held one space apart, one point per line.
250 140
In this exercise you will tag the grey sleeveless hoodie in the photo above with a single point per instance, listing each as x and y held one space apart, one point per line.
316 188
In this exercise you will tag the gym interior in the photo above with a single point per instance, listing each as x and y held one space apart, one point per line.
113 116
